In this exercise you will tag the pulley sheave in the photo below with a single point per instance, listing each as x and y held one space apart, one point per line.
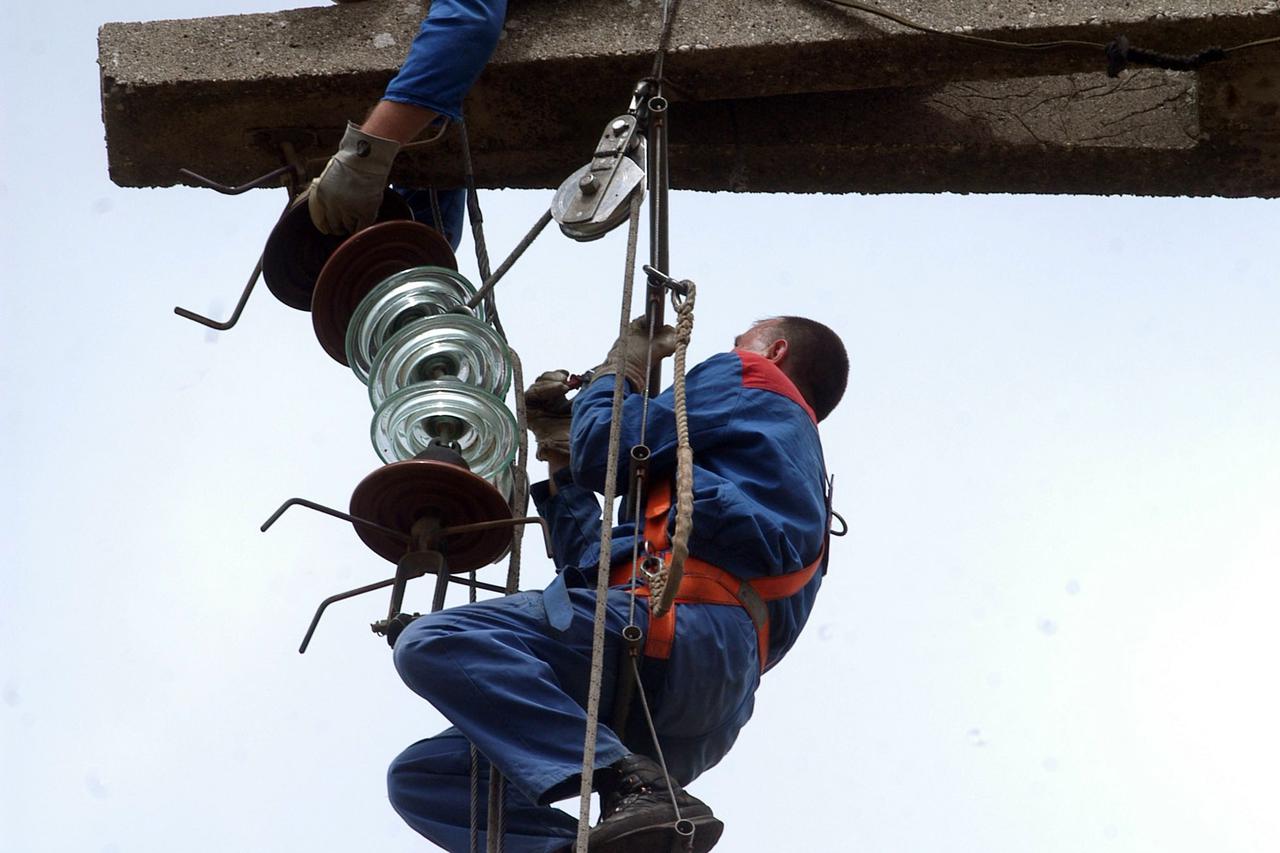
596 198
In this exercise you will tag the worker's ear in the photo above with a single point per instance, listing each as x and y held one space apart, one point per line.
777 351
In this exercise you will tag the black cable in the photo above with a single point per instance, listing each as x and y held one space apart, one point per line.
1119 53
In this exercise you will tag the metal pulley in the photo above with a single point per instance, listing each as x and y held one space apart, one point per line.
597 198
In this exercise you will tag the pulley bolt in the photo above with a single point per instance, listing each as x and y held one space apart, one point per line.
618 127
588 185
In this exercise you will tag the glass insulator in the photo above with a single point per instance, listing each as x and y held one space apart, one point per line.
446 411
397 302
447 346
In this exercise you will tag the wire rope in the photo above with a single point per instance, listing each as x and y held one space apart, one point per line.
606 540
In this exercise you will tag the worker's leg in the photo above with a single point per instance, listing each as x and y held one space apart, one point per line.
516 687
450 204
429 784
707 693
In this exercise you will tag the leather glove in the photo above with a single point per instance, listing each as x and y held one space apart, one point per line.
348 193
634 345
549 413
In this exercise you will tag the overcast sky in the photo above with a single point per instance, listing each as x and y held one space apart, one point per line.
1051 628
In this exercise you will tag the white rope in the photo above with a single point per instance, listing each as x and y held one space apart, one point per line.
606 541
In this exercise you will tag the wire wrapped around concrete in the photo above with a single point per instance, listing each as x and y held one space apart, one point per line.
606 539
662 599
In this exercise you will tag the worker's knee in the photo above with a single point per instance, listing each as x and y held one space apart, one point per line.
427 781
416 654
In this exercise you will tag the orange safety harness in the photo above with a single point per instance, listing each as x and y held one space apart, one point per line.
704 583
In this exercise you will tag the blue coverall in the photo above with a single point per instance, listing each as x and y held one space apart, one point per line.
511 674
452 46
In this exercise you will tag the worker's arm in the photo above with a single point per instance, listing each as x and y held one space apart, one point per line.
451 49
572 514
444 60
713 390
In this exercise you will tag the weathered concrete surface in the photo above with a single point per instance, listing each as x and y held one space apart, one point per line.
786 95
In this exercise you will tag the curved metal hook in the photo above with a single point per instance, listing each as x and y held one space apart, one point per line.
223 325
844 525
242 188
403 537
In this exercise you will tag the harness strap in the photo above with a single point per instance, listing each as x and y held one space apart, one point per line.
704 583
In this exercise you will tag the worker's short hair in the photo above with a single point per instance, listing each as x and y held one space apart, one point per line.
816 362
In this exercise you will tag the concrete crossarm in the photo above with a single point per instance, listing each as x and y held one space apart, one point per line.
791 95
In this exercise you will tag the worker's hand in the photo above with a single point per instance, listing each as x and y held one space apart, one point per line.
636 353
348 193
549 413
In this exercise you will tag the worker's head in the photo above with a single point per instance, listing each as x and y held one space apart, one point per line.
810 354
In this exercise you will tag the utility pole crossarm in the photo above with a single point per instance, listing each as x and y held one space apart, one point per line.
791 95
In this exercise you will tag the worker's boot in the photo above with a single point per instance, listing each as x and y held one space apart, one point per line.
637 815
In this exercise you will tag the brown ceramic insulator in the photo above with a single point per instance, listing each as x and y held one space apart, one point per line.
399 494
360 264
296 252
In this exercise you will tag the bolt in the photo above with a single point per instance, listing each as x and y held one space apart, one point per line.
619 127
588 185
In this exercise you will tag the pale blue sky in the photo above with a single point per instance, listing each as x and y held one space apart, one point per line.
1051 628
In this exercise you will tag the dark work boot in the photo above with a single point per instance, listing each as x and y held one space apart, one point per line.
636 814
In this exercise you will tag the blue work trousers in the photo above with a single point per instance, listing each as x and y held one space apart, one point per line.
517 688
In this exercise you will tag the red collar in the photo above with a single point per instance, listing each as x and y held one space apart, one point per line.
760 372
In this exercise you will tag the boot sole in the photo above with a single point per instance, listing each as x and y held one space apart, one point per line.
661 838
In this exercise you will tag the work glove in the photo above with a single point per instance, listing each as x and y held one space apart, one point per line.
634 346
348 193
549 412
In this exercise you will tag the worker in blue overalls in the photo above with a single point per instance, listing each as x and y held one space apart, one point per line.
454 43
512 674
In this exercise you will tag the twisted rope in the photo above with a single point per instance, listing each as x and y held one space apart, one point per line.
670 578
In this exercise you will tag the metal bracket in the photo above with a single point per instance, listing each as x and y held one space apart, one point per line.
296 172
421 558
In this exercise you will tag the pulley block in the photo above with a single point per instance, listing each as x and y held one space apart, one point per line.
397 496
449 412
597 198
296 252
359 264
396 303
449 346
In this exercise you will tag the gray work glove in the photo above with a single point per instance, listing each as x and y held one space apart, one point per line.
634 345
549 413
348 193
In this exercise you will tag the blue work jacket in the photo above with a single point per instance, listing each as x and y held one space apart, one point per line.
452 46
759 481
